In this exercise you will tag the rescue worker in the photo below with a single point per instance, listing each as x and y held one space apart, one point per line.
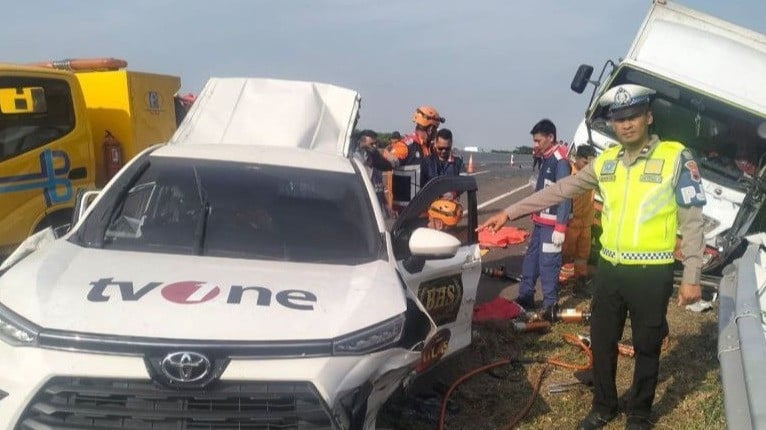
650 189
395 137
576 248
537 160
367 140
441 162
543 256
444 213
404 157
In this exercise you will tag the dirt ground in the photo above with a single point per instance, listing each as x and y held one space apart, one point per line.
689 394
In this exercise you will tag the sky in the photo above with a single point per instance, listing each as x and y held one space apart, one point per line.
492 68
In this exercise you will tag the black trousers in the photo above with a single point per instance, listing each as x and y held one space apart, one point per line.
643 292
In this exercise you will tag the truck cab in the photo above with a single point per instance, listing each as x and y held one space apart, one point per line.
53 125
707 74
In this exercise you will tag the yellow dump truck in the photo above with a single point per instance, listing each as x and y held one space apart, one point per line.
70 125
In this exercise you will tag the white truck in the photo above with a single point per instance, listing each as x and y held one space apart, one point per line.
709 75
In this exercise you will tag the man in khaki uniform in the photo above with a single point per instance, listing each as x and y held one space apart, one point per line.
650 189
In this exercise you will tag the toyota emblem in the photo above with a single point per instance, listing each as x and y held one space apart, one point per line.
185 366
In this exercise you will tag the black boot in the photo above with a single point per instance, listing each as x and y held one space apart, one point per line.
596 420
551 313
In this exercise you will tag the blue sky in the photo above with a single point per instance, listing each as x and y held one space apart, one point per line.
491 67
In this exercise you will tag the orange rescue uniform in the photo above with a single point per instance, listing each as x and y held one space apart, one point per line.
577 242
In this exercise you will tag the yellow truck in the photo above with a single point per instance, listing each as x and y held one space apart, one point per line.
70 125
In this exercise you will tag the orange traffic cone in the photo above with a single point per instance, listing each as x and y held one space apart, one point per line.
469 169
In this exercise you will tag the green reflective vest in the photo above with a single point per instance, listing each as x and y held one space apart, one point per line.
639 218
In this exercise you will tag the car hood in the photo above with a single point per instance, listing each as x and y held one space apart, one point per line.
67 287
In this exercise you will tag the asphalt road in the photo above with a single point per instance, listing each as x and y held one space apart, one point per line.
500 184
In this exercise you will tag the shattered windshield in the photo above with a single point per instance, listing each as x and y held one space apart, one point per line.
243 210
723 138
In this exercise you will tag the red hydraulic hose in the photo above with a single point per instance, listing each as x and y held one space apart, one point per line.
574 340
570 338
465 377
535 391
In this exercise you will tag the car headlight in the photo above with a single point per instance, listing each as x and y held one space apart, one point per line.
374 338
15 330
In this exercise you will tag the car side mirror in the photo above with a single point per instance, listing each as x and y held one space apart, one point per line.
84 199
429 244
581 78
433 244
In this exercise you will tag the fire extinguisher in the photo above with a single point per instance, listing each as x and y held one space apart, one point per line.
112 155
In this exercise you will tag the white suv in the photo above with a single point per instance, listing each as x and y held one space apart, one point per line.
242 286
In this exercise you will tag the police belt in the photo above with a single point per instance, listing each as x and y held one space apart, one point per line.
655 257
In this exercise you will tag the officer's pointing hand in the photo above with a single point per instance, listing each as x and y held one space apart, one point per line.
689 294
495 222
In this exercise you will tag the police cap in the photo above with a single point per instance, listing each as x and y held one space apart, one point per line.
627 100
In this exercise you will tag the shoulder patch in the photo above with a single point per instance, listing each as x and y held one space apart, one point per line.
689 191
694 171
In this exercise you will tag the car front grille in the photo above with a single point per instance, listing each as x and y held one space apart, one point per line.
88 403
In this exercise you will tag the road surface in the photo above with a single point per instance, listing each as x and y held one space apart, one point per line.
501 184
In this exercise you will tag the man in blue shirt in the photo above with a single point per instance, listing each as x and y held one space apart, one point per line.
441 162
543 256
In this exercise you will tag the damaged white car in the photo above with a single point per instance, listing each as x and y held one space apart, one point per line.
240 277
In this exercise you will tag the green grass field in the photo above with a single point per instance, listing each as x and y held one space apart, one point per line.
688 396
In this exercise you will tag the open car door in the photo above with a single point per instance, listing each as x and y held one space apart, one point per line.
445 286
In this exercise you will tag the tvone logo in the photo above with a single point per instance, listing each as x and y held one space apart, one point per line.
187 292
196 292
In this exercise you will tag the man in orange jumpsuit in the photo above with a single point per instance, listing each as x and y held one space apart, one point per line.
577 241
404 157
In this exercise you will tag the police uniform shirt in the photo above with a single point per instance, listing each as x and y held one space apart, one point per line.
689 196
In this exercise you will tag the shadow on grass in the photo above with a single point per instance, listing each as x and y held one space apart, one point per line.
689 375
488 400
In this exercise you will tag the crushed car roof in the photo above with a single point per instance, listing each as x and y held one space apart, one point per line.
271 112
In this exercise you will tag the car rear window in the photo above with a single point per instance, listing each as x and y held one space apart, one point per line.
241 210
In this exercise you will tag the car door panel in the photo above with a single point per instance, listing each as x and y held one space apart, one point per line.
445 288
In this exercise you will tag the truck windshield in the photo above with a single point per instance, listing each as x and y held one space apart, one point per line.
240 210
723 138
33 113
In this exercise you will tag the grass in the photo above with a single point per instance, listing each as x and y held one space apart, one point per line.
688 396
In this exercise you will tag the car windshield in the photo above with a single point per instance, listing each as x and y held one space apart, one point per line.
241 210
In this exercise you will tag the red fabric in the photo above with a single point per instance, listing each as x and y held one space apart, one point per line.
504 237
498 309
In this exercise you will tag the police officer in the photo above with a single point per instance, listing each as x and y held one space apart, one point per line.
651 189
405 156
